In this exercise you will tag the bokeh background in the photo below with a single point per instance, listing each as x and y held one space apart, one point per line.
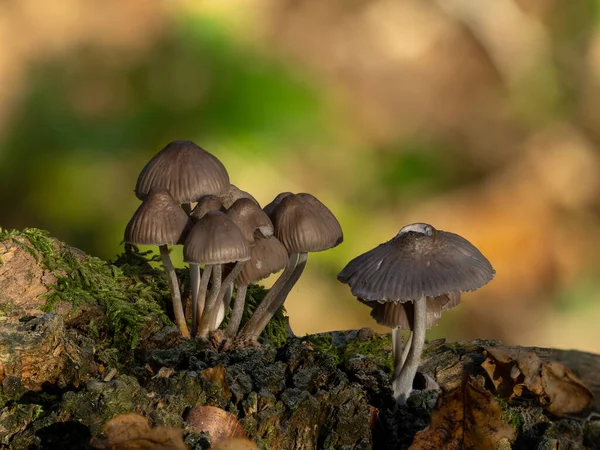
479 117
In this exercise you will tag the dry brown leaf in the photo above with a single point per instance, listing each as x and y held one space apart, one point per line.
565 393
235 444
216 422
516 373
133 432
468 417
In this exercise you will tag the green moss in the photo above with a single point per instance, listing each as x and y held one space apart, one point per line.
275 332
377 347
130 290
511 415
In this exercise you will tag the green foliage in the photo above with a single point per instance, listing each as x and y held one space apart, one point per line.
129 290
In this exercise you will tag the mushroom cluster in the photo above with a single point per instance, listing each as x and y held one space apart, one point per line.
187 198
408 282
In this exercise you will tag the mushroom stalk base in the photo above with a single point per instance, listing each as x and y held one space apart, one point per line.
223 291
237 312
198 286
174 288
403 381
279 300
211 301
254 321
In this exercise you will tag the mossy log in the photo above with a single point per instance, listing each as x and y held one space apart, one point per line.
83 341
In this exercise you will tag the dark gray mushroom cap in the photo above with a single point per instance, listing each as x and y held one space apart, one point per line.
401 315
234 193
187 171
159 220
304 224
268 256
419 261
249 217
215 239
205 204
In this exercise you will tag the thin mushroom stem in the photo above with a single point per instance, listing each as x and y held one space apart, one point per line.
211 301
282 296
225 285
399 351
174 288
237 311
403 381
199 285
262 308
406 349
224 305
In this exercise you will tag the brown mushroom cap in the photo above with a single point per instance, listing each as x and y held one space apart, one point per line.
401 315
215 239
267 256
249 217
304 224
419 261
187 171
159 220
205 204
234 193
275 203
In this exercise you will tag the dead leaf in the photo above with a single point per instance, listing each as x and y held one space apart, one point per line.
517 373
133 432
468 417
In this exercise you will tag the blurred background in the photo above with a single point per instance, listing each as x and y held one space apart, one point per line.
479 117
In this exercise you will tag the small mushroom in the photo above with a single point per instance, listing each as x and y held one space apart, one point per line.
187 171
160 221
267 256
233 194
214 240
418 263
303 224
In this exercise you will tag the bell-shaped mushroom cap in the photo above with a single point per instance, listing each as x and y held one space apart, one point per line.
205 204
268 256
215 239
159 220
234 193
275 203
187 171
419 261
401 315
304 224
248 216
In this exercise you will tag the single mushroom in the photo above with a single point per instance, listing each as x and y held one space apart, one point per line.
233 194
160 221
198 284
418 263
187 171
214 240
267 256
303 224
249 217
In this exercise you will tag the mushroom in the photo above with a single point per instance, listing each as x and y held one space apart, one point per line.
233 194
303 224
160 221
249 217
267 256
187 171
418 263
213 240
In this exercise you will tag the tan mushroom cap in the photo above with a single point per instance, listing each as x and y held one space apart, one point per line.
215 239
159 220
267 256
275 203
401 315
249 217
187 171
205 204
419 261
304 224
